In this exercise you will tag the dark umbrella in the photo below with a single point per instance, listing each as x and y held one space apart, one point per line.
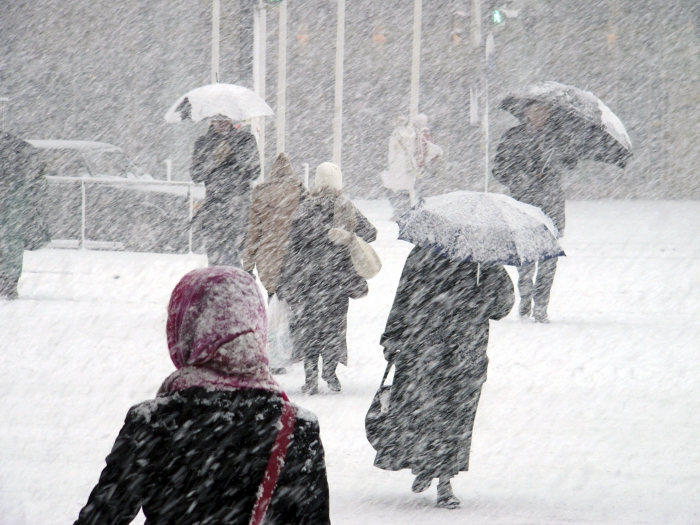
594 130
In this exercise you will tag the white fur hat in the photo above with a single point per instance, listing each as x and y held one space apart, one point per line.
328 175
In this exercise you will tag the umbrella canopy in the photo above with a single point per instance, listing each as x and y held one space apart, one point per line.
594 129
228 100
486 228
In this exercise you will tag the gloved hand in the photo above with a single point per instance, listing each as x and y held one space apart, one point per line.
390 353
339 236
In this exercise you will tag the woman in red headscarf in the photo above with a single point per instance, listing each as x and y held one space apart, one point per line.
221 443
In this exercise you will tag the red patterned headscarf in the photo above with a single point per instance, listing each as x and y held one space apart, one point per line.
217 330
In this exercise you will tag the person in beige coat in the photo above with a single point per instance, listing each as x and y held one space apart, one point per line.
273 204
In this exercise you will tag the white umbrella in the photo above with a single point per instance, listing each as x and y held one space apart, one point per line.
235 102
487 228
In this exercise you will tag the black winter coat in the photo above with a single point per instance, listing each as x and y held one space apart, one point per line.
317 279
227 164
530 163
198 457
439 325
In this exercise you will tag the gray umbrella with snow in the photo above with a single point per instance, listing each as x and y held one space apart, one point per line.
487 228
595 131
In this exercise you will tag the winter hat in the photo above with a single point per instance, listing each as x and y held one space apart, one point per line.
217 330
282 168
421 121
328 176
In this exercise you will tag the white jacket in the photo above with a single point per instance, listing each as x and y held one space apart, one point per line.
402 171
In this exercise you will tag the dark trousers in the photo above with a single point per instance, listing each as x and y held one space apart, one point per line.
537 287
311 369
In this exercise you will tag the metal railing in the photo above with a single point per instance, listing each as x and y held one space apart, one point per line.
125 182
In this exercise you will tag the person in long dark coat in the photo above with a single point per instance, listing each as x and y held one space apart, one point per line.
197 453
226 160
437 334
530 161
22 185
318 279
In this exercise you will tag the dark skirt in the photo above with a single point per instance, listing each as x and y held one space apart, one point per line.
433 406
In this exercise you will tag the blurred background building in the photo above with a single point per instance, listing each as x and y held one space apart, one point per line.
108 71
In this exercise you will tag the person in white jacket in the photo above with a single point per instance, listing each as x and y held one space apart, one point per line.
400 177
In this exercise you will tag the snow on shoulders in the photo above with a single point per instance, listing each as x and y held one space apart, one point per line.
146 409
305 414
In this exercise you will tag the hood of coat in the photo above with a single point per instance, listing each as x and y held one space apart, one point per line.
217 331
282 169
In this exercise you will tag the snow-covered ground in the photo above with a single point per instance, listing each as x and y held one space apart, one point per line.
594 418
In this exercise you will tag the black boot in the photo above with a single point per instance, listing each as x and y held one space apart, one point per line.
8 287
329 375
540 315
445 497
421 483
311 375
525 307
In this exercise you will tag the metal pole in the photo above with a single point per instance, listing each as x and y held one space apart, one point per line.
282 79
415 60
259 41
191 213
476 23
82 214
338 101
263 71
490 52
486 136
215 16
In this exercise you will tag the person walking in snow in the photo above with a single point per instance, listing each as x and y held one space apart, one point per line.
437 335
273 204
22 220
530 160
199 451
226 160
318 279
400 177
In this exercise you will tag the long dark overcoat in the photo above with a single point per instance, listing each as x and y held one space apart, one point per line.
439 324
317 279
22 186
227 164
530 163
197 456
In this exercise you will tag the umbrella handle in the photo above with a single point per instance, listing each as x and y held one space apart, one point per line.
478 272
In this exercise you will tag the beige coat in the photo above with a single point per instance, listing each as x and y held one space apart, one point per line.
273 204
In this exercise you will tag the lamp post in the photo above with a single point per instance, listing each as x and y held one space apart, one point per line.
415 59
282 79
259 66
215 17
338 98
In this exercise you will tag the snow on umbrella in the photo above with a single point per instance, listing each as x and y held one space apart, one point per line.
486 228
228 100
594 128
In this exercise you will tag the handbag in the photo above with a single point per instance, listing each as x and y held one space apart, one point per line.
378 424
364 259
275 463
